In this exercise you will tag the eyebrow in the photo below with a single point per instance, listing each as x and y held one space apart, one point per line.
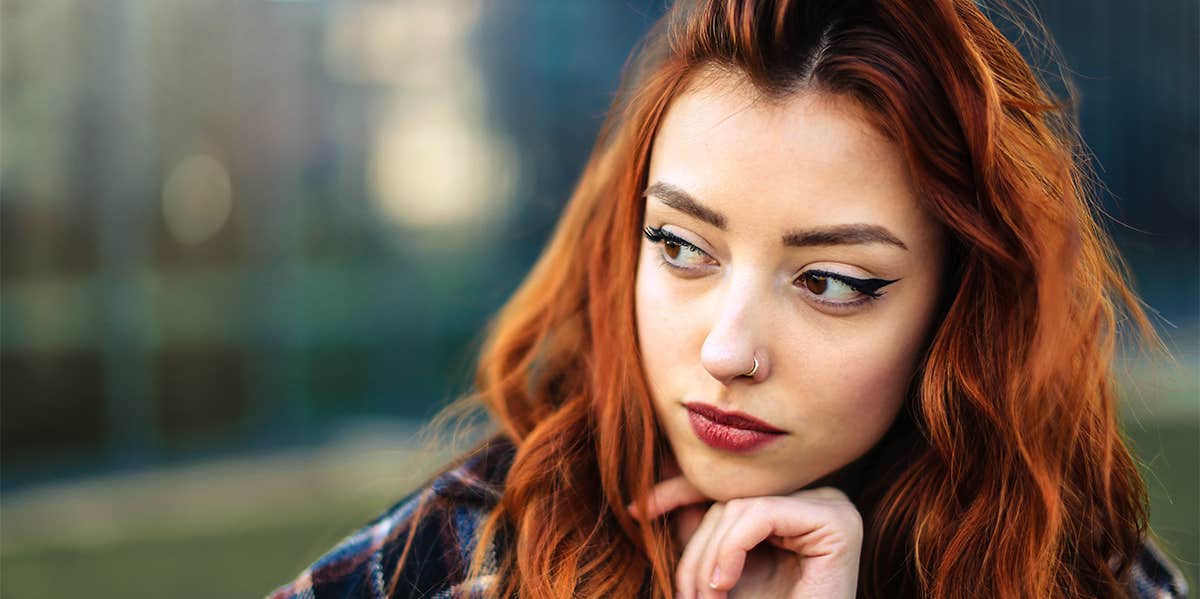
848 234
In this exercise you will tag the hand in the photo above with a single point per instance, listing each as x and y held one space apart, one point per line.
813 541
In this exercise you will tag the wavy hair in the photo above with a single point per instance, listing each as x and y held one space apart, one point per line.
1006 470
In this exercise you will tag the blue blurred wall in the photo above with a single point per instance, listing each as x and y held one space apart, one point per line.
228 226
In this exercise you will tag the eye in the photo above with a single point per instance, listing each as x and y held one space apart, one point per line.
676 252
840 291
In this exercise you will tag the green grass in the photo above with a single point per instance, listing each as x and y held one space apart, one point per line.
1171 464
241 565
246 563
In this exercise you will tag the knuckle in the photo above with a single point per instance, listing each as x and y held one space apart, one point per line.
835 493
740 504
854 518
714 513
759 504
852 523
753 504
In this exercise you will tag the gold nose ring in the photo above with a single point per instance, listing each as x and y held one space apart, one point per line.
753 370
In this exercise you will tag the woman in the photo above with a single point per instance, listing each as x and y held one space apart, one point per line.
828 315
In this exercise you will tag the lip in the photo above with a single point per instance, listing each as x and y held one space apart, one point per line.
731 431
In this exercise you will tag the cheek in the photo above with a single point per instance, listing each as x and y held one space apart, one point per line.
649 296
865 383
662 327
873 386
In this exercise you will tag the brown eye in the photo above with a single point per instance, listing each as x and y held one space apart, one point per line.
672 249
816 283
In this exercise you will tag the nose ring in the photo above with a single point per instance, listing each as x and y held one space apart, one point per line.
753 370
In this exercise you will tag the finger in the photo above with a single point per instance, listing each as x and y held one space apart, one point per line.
668 495
728 556
822 493
708 574
685 578
692 549
708 558
807 528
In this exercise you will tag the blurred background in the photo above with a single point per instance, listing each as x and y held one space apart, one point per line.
247 248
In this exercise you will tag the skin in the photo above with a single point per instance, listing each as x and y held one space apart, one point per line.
833 379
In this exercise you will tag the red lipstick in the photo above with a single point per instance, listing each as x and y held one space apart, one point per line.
731 431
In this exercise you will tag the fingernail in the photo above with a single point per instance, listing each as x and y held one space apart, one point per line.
716 578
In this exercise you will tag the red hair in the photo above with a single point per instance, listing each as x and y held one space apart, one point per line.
1006 470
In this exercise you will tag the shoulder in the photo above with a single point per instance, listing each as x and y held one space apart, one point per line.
1154 576
441 518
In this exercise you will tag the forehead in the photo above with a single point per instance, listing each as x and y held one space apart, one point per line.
809 159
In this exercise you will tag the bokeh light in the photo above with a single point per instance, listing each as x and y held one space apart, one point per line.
197 198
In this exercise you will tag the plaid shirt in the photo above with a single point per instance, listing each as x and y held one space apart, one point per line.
361 566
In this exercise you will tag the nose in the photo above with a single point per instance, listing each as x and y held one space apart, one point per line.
732 345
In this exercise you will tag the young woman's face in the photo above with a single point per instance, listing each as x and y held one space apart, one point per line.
786 207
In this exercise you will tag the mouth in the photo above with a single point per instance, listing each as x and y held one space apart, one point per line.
730 431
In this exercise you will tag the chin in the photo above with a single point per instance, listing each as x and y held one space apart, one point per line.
726 488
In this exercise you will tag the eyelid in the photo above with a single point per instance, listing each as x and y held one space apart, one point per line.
849 269
681 238
657 235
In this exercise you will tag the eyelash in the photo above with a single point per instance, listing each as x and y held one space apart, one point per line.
867 287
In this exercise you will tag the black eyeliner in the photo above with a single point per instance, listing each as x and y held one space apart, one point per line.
657 234
867 286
